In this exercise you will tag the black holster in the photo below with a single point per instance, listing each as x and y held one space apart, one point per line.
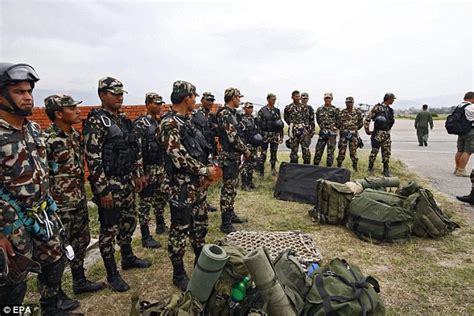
230 170
108 218
180 209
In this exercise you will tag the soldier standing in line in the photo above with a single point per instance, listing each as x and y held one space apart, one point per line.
382 115
32 241
184 162
253 140
66 161
349 123
116 167
300 122
204 120
271 128
326 116
233 146
422 120
154 195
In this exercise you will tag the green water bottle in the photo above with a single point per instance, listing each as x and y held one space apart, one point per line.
239 289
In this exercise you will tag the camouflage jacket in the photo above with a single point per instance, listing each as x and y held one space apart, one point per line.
23 164
141 128
300 115
170 135
380 109
230 134
66 160
275 114
327 117
350 121
95 133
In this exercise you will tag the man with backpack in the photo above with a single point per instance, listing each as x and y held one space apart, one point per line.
460 123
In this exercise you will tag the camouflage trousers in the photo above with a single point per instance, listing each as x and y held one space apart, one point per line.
381 140
342 147
155 195
77 234
270 139
47 253
189 219
295 142
330 143
119 222
249 165
422 134
230 179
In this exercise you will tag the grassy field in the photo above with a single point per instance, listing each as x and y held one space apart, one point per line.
422 276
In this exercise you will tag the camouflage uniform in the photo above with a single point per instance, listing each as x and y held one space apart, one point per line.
183 160
233 146
300 119
326 117
380 138
265 117
250 127
349 123
24 174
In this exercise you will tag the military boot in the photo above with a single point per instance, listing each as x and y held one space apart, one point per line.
51 307
161 227
467 198
354 166
235 219
274 172
339 164
261 170
197 253
226 226
386 170
66 303
245 182
81 285
130 261
251 184
147 239
211 208
370 170
113 276
180 279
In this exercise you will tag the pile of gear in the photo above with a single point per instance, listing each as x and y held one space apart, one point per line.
365 207
228 280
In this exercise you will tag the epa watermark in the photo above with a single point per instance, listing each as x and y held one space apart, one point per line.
8 310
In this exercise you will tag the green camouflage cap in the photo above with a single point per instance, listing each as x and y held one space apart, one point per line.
112 85
57 101
304 95
328 95
271 96
208 96
233 92
182 87
389 95
248 105
349 99
153 97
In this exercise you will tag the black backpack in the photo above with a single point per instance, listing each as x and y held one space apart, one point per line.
457 123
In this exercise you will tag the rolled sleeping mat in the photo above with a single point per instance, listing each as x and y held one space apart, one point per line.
207 271
379 182
409 189
259 265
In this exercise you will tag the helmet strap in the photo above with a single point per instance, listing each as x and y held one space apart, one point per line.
14 109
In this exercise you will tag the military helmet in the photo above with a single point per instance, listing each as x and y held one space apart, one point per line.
256 140
380 122
278 125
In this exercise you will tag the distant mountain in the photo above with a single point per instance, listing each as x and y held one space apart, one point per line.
440 101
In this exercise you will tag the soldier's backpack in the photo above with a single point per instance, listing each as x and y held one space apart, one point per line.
183 304
379 216
342 289
429 219
332 201
457 123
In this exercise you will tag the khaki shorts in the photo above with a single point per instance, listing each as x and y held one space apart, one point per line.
466 142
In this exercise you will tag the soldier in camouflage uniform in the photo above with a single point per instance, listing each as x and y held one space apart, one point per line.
300 120
66 160
154 195
184 146
116 168
349 123
24 186
382 115
205 121
233 146
326 117
271 128
252 139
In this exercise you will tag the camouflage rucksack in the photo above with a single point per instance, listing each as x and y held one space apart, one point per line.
182 304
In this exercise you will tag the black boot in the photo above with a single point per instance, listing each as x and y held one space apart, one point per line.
147 239
226 226
113 276
81 285
161 227
211 208
236 219
66 303
467 198
51 307
251 184
354 166
339 164
386 170
197 253
261 169
370 170
245 183
130 261
180 279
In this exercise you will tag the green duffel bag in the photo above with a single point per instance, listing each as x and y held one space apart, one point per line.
429 219
377 216
332 200
342 289
183 304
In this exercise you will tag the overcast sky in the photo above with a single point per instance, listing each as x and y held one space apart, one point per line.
363 48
